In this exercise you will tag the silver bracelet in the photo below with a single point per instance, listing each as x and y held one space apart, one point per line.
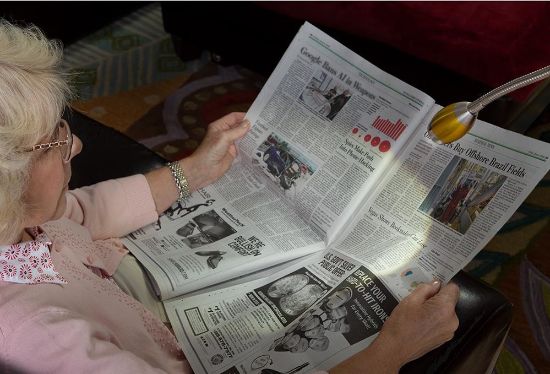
180 180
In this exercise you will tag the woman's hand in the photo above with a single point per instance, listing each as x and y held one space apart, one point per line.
421 322
208 163
217 151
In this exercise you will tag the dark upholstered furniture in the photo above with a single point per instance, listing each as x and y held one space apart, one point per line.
106 153
485 315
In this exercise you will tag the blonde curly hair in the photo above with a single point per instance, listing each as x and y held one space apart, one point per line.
33 95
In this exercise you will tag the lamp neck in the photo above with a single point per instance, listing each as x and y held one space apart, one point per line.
475 106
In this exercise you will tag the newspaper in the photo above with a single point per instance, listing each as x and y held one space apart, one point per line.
435 209
338 167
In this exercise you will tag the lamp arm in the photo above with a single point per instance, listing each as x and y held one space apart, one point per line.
475 106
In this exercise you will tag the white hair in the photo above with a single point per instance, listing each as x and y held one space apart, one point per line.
33 95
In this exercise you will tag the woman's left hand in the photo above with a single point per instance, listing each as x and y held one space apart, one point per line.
217 151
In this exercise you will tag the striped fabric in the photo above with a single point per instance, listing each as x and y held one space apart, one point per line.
132 52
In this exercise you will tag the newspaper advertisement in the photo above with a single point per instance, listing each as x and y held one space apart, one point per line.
313 315
230 228
440 204
326 125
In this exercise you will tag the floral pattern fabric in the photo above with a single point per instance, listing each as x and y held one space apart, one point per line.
29 262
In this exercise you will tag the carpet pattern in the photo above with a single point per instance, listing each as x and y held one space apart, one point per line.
131 80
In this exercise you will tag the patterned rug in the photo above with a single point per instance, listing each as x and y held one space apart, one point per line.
131 80
171 117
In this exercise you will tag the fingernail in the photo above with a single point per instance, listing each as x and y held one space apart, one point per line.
436 283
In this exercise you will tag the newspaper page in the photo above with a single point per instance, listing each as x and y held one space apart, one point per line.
236 226
441 204
313 315
326 125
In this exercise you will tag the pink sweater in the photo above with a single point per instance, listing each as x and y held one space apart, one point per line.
89 324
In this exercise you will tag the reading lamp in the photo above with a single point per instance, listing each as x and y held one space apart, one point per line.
455 120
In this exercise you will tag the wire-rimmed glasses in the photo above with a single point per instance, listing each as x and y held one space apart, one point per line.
64 141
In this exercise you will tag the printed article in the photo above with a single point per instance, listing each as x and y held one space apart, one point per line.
292 188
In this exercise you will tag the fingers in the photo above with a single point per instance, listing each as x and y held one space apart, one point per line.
449 293
238 131
228 121
445 302
424 291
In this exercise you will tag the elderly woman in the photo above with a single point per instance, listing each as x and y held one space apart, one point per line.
65 279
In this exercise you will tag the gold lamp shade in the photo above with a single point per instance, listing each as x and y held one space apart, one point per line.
451 123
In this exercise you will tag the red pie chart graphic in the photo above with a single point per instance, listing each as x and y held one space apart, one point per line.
367 138
384 146
375 141
355 129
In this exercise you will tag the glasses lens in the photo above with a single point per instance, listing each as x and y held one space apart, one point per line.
65 134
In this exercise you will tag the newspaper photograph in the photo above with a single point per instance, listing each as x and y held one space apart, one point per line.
325 95
461 192
283 164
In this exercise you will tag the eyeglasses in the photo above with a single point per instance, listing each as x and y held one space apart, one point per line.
64 141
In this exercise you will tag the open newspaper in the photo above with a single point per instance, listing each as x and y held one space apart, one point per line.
337 166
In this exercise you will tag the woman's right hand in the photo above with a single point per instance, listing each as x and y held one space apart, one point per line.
421 322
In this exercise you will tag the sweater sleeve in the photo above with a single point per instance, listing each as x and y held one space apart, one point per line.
112 208
55 342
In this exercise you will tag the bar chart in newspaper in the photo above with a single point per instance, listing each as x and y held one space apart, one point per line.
389 128
382 133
